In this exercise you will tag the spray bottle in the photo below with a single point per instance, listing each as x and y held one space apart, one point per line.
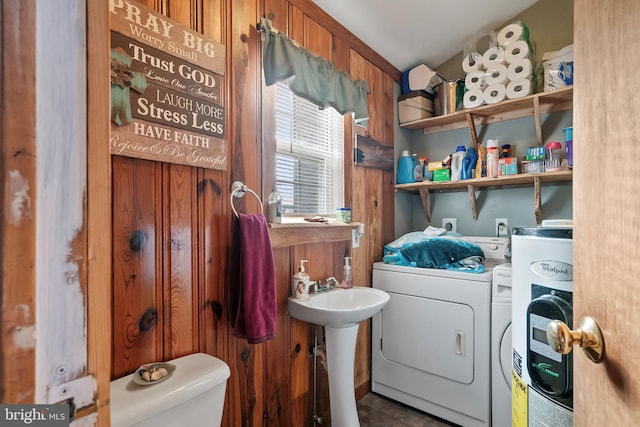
300 282
347 281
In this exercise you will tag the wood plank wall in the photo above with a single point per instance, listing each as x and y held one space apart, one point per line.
172 223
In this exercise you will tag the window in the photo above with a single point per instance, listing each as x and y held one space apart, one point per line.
309 155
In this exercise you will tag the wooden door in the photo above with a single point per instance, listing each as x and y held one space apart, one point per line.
607 207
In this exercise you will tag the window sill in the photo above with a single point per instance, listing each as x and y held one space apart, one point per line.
302 233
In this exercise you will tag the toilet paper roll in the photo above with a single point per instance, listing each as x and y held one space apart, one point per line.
493 56
496 75
494 93
519 69
519 88
475 79
473 98
472 62
517 50
512 33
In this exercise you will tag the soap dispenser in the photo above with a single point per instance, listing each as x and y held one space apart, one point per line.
300 283
347 281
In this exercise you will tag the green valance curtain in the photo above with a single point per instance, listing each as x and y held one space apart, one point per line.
314 78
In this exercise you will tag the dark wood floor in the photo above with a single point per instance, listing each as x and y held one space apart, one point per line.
378 411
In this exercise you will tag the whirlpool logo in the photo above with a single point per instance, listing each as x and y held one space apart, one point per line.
554 270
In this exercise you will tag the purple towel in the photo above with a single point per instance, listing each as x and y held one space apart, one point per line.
253 280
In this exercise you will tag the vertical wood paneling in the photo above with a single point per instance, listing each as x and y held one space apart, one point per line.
277 12
137 276
213 24
247 361
317 39
99 218
362 191
213 228
301 374
184 12
277 375
18 168
212 256
370 202
296 25
180 184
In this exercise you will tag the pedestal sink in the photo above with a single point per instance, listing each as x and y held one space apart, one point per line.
340 311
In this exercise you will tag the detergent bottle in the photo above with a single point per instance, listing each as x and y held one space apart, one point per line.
406 168
469 163
456 163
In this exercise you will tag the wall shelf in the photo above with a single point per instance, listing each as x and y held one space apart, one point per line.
471 185
532 105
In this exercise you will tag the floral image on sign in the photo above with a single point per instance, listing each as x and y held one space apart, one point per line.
166 90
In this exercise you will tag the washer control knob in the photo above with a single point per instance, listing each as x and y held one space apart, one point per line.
588 336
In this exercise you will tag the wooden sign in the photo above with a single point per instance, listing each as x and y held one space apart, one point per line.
167 97
370 153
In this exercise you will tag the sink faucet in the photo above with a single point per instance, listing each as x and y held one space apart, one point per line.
327 284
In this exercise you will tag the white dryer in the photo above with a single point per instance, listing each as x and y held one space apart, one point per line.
432 341
501 346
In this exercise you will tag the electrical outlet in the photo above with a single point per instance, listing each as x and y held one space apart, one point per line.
502 227
355 238
450 224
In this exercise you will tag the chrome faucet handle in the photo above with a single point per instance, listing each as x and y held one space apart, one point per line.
331 282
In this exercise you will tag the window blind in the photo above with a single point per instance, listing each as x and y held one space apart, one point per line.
309 155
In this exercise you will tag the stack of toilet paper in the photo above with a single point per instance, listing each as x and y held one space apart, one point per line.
503 71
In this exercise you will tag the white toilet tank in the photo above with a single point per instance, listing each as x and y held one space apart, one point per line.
192 396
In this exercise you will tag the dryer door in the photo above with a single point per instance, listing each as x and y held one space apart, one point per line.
430 335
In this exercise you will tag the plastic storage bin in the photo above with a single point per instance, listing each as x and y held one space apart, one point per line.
415 105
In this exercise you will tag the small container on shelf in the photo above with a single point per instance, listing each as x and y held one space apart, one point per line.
554 156
492 158
568 144
343 215
507 166
442 175
534 161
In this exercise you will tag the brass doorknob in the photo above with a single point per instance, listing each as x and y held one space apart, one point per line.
588 336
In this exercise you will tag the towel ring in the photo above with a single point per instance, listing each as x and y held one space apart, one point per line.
238 189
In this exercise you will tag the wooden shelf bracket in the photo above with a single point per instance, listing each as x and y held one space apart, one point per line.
424 196
536 115
472 129
474 203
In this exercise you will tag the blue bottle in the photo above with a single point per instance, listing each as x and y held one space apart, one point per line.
469 163
406 167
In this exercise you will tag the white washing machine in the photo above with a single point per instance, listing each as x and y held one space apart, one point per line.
501 346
